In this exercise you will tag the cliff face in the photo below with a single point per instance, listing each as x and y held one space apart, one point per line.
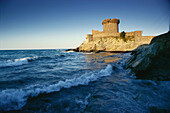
110 44
152 61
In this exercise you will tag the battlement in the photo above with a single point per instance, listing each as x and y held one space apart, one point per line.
96 31
114 20
111 25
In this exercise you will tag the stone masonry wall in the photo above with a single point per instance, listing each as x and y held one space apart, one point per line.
102 35
110 28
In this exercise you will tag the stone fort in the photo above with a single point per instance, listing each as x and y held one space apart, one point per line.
111 29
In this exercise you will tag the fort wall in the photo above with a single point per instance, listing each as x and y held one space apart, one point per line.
104 35
109 39
98 34
144 39
89 37
129 34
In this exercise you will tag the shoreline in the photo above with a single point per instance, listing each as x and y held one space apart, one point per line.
75 50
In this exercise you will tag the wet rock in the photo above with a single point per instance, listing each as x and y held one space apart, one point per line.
75 50
152 61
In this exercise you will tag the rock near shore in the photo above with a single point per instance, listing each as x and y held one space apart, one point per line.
152 61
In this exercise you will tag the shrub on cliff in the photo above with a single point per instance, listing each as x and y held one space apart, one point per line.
122 34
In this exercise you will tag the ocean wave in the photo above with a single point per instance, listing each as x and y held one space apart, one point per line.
121 62
13 99
17 62
83 101
67 51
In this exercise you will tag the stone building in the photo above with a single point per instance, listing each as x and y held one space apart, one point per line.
109 39
111 29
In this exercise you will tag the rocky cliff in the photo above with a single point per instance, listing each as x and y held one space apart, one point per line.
152 61
109 44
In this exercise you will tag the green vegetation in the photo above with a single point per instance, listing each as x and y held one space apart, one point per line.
122 34
130 38
124 37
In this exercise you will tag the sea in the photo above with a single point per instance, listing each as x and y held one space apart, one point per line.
55 81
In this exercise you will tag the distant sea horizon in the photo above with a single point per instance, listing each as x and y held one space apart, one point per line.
34 48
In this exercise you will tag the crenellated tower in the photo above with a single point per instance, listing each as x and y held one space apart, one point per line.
110 25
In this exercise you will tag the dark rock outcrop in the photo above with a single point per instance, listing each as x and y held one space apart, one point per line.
75 50
152 61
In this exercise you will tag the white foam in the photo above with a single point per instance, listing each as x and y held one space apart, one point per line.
88 52
13 99
17 62
68 51
120 63
83 101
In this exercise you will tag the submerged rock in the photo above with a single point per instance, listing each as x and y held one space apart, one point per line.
152 61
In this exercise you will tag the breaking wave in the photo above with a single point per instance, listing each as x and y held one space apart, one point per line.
22 61
18 62
121 62
13 99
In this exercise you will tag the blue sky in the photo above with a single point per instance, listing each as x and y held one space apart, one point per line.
35 24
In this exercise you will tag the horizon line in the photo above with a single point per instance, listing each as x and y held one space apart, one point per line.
31 48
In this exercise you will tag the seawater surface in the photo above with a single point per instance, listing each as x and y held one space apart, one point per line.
61 82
